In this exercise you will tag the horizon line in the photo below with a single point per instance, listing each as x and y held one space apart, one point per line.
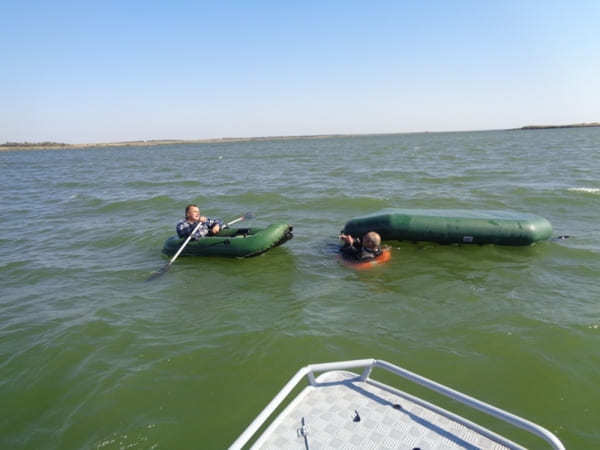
8 145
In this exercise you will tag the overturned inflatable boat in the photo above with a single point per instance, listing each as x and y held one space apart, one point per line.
234 242
453 226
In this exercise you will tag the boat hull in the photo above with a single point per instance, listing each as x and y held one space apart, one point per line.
453 226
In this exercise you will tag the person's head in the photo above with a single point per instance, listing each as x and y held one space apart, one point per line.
371 240
192 213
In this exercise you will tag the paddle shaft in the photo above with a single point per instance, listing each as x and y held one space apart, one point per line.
184 244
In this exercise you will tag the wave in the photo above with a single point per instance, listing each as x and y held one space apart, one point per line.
585 189
154 184
156 202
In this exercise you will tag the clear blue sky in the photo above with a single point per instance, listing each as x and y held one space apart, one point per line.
109 71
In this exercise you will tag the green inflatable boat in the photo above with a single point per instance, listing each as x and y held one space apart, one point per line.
234 242
453 226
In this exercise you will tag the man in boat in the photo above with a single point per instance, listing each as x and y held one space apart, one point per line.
208 226
368 248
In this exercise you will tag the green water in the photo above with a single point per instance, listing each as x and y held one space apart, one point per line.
92 356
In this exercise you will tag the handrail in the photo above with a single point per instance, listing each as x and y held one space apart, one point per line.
283 393
268 410
411 376
491 410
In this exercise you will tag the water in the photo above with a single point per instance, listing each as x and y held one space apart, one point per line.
91 356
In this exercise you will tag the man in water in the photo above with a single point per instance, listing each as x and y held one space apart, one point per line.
369 248
208 227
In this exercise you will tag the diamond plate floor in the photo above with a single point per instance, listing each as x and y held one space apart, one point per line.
387 421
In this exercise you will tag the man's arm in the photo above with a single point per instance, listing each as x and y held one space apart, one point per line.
185 228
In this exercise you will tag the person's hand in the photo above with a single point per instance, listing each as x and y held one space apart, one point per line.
347 239
202 219
216 228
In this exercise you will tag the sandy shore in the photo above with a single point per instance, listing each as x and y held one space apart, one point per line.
154 142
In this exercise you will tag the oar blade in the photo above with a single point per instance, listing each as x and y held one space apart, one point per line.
158 273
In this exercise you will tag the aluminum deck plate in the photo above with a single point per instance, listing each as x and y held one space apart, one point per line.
388 420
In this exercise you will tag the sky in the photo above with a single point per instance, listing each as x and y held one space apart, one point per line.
81 72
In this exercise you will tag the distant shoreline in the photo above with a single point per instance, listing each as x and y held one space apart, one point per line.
572 125
15 146
153 142
11 146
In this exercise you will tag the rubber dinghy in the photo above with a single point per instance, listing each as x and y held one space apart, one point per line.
453 226
234 242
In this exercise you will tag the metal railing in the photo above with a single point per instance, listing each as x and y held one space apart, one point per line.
369 364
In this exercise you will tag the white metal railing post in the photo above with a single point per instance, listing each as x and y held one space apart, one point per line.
367 372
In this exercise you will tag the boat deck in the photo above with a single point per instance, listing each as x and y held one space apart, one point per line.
342 411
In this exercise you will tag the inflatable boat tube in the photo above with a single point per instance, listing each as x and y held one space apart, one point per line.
385 256
453 226
233 242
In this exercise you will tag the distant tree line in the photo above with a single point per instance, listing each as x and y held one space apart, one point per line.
571 125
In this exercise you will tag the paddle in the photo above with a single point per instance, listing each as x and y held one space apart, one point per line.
167 266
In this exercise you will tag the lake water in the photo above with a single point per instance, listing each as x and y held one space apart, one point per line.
92 356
